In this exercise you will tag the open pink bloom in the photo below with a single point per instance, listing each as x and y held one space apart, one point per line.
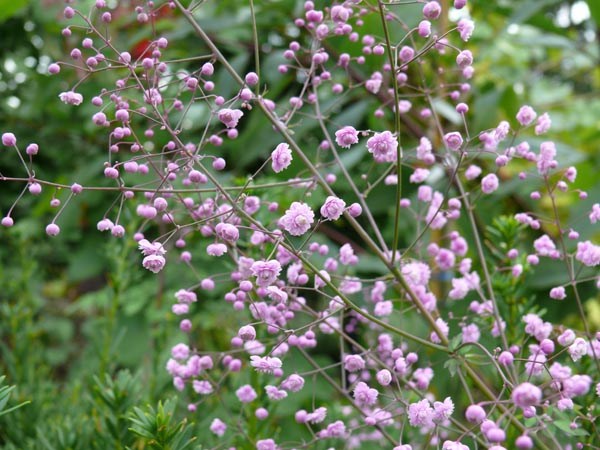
453 140
71 98
383 146
526 394
265 364
421 414
346 136
465 28
333 208
218 427
154 263
281 157
230 117
266 272
489 183
364 395
246 394
526 115
298 219
151 248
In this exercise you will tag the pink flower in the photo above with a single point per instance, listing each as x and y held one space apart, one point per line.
465 28
489 183
333 208
227 231
346 136
71 98
230 117
154 263
364 395
383 146
544 246
9 139
432 10
543 124
246 394
266 272
558 293
464 59
148 248
475 414
420 414
453 140
354 363
526 115
216 249
266 444
578 349
293 383
218 427
588 253
265 364
317 416
281 157
275 394
298 219
443 410
526 394
152 97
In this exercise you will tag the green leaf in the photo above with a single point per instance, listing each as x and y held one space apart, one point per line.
9 8
594 6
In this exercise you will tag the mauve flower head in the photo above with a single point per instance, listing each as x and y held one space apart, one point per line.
454 445
9 139
543 124
364 395
588 254
298 219
281 157
154 263
432 10
266 272
71 98
424 28
217 249
354 363
578 349
383 146
443 410
265 364
420 414
475 414
147 248
266 444
293 383
558 293
230 117
333 208
489 183
218 427
346 136
247 333
246 394
526 394
453 140
464 59
526 115
465 28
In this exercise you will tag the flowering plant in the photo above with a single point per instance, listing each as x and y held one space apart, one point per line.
353 236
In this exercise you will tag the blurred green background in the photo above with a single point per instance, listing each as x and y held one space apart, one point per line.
78 308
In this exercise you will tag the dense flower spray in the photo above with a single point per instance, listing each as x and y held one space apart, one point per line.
296 282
